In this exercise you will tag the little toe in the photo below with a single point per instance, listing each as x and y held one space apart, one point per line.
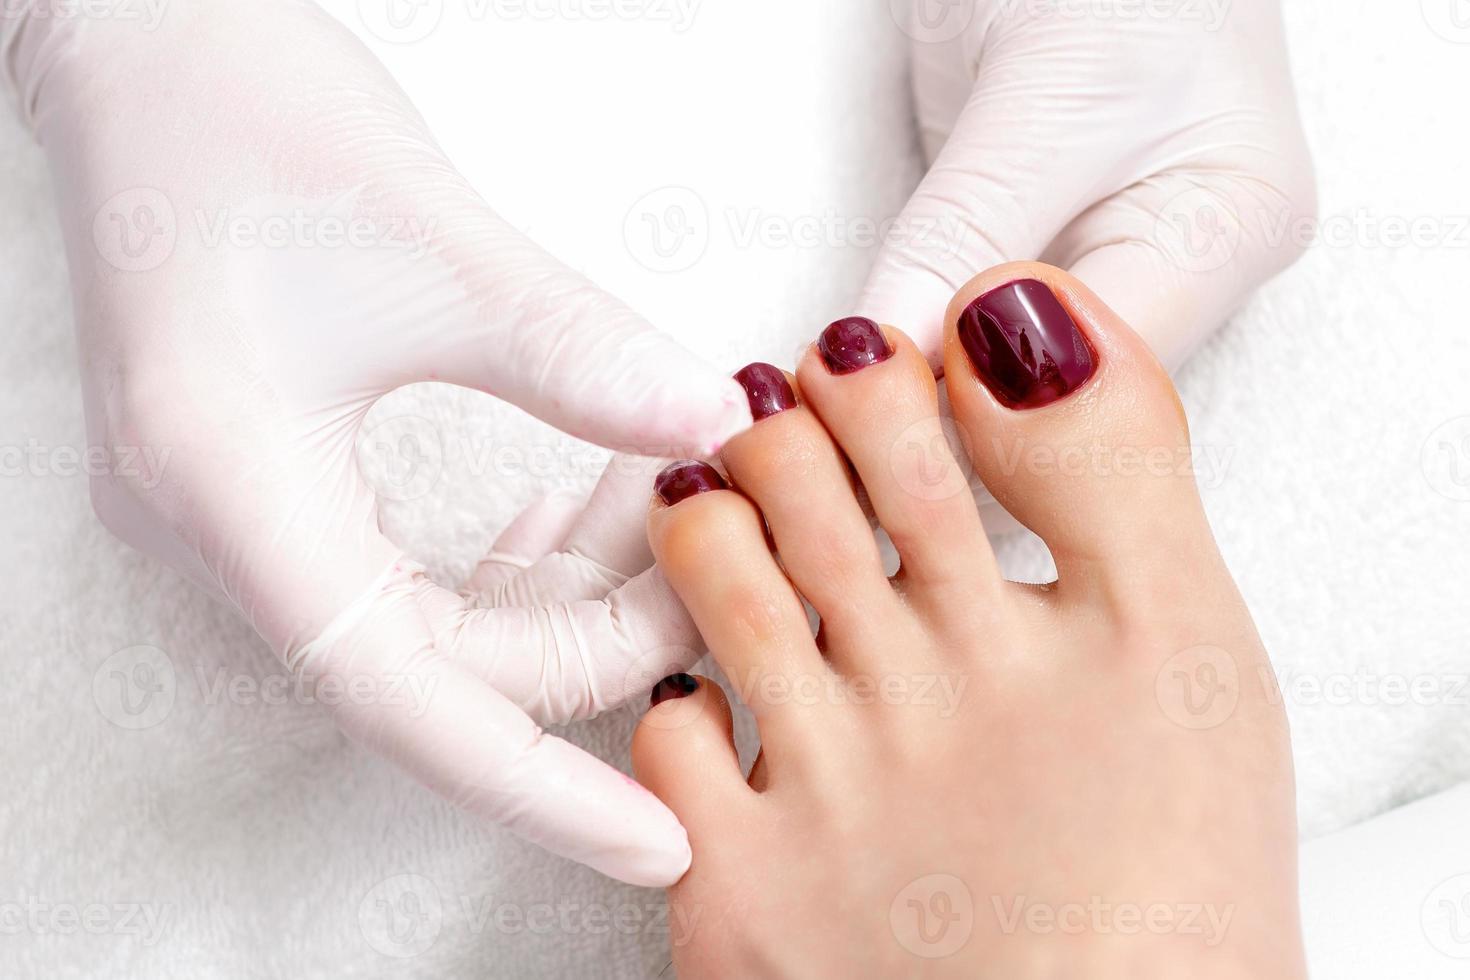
684 753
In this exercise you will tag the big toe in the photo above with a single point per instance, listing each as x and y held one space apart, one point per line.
1075 427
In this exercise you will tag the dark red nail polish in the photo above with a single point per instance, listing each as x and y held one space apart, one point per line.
767 389
684 479
1024 345
852 344
672 688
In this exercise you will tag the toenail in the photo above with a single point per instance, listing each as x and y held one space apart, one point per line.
1024 345
852 344
672 688
684 479
767 388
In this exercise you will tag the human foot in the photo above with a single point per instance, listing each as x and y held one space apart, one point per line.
963 776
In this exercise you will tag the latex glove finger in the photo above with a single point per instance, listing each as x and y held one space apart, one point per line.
1035 127
468 743
1178 253
574 658
1005 182
574 356
524 327
606 545
536 532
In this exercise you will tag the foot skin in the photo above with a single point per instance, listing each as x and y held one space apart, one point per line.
962 776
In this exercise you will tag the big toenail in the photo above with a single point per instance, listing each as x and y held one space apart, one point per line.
682 480
672 688
767 388
852 344
1025 346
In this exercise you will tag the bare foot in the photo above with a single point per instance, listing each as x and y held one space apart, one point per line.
962 776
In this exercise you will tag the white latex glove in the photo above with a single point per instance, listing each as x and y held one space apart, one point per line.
1152 147
263 240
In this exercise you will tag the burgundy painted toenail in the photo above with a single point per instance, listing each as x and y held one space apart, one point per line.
672 688
684 479
767 388
1025 346
852 344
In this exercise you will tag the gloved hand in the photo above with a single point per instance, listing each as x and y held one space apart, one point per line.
1153 149
263 240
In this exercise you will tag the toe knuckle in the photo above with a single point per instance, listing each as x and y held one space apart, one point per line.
838 555
720 523
786 455
757 614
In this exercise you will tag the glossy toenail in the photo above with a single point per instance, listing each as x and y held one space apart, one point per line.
672 688
1024 345
684 479
767 388
852 344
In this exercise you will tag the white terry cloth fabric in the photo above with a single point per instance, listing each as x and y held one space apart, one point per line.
761 141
